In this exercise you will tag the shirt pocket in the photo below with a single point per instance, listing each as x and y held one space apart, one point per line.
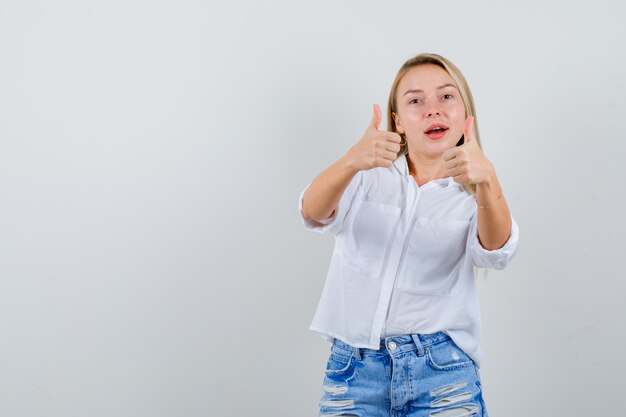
363 250
432 262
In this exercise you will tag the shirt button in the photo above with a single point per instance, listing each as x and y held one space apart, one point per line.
392 345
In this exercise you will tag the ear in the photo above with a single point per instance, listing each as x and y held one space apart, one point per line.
398 123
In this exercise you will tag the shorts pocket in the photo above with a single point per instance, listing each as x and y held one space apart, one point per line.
340 365
447 356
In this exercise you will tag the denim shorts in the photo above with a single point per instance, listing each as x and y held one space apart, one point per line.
417 375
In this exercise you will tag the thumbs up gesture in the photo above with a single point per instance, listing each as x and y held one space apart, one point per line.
467 164
377 148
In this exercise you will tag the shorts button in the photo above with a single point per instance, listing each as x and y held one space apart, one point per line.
392 345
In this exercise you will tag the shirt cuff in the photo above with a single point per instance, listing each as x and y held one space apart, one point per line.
497 258
320 226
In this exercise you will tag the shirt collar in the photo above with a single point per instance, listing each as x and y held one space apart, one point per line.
402 166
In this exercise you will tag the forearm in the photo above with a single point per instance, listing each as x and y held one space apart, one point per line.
323 195
494 221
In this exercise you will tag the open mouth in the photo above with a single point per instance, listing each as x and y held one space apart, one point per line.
436 132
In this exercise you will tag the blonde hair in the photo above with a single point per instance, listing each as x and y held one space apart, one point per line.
464 90
463 87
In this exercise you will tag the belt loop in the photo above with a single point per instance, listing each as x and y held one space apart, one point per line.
357 353
418 343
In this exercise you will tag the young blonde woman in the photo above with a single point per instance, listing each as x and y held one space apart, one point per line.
413 210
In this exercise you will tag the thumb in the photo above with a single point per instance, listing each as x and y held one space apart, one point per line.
468 132
376 118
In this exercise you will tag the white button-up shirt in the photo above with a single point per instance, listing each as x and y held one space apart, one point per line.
404 260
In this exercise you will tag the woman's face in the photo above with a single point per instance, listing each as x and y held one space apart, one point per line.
428 96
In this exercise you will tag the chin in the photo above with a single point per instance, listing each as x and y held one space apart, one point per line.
443 145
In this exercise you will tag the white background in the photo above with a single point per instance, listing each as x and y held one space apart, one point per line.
152 261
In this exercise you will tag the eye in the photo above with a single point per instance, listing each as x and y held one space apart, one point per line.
448 95
414 100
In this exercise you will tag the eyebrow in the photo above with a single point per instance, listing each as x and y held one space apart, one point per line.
421 91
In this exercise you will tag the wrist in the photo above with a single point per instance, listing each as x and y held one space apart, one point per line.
349 164
489 192
489 180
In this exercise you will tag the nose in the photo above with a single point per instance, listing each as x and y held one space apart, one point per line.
433 110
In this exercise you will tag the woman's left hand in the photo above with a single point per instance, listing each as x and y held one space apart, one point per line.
467 164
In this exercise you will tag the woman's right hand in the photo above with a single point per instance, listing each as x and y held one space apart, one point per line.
377 148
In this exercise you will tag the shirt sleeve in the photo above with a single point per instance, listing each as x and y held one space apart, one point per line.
332 224
497 258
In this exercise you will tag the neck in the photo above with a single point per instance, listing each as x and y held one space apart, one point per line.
425 169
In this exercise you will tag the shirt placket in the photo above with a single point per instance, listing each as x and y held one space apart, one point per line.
398 245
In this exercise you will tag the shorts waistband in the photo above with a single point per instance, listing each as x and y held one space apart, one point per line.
392 345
